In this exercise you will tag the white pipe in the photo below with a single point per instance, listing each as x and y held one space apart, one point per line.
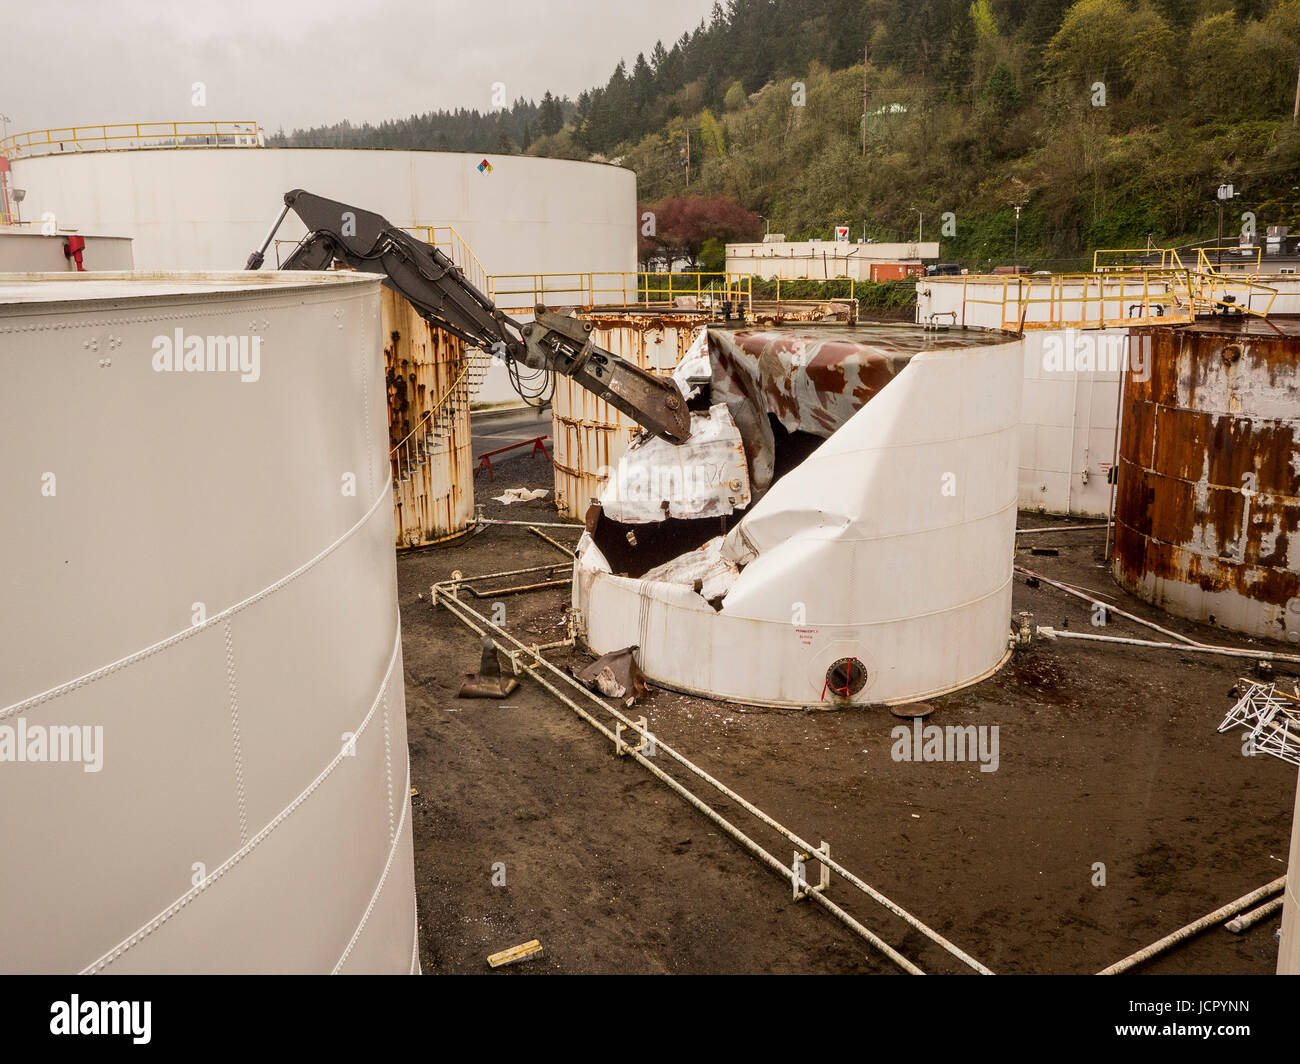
452 603
1196 927
1058 528
439 593
1228 652
1248 920
532 524
1187 643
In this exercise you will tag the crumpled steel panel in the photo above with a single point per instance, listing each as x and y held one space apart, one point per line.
812 380
1207 519
704 477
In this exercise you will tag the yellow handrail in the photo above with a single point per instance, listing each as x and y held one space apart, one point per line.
429 414
71 139
1168 259
453 245
1115 298
523 291
1204 264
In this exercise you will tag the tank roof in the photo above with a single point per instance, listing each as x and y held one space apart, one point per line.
18 289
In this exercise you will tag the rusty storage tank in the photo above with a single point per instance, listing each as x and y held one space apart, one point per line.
201 608
1207 514
431 380
590 435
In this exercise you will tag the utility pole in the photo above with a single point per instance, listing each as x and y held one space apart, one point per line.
1295 111
688 156
1225 193
864 100
1015 247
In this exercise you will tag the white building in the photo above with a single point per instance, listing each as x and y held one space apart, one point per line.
822 259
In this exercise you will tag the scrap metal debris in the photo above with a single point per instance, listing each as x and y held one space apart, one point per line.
704 570
1271 716
515 954
489 681
615 675
707 476
520 495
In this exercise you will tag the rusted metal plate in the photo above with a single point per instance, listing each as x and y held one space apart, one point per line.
1207 516
433 484
813 379
590 435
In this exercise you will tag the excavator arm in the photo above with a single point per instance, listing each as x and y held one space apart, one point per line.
438 290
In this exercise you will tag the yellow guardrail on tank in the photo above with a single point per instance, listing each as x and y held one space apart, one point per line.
1084 300
1168 259
521 292
126 135
1113 298
1212 260
453 245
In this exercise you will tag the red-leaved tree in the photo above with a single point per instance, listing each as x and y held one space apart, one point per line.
682 225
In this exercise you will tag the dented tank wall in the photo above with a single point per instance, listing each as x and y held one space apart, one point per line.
433 475
886 553
590 435
1207 517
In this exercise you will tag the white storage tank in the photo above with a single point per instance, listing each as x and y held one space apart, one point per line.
1076 349
207 208
1288 956
201 707
878 569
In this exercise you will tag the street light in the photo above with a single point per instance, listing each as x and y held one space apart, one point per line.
920 224
1015 248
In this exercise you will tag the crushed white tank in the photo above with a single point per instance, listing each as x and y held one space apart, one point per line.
202 730
874 564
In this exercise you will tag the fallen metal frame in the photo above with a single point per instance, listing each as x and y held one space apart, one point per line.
528 661
1272 718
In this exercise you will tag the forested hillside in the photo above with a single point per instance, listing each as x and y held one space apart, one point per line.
1106 121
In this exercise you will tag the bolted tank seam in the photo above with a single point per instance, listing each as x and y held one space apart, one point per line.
105 670
149 928
388 765
383 878
234 729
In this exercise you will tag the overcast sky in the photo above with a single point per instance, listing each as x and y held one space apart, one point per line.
295 63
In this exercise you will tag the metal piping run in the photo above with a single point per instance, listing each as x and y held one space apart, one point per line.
444 593
554 543
532 524
1261 655
1196 926
1058 528
1185 643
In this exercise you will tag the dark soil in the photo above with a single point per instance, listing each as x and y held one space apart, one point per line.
1107 755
